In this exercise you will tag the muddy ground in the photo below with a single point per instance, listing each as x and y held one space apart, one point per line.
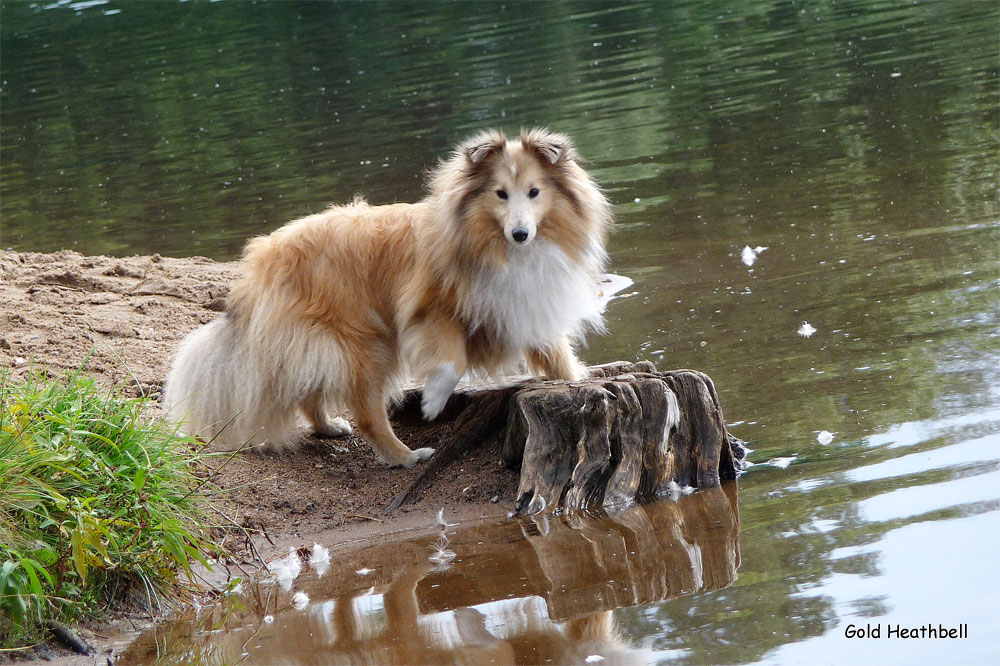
121 319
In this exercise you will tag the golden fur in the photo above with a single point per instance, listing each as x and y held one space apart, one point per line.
498 263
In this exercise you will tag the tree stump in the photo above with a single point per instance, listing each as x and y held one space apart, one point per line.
627 433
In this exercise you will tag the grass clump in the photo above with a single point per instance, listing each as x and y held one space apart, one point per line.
97 500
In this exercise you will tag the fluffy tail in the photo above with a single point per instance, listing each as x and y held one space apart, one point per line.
215 389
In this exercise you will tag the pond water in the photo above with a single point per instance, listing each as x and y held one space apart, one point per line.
857 141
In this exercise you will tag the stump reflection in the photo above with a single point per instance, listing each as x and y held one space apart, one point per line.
519 591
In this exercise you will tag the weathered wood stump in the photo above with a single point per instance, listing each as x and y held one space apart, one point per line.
625 434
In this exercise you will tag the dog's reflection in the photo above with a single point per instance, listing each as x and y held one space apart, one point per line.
392 629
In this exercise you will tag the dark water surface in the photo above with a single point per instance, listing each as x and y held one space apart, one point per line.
856 141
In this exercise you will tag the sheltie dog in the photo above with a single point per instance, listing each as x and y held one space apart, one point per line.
498 264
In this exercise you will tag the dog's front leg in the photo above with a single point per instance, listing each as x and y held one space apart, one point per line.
437 347
557 361
438 389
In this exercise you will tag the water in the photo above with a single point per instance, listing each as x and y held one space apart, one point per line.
856 141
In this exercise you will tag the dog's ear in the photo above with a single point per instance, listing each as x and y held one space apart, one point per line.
481 146
553 148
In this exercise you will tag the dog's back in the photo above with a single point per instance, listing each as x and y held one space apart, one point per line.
314 300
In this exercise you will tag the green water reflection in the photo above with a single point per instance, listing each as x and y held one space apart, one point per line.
856 141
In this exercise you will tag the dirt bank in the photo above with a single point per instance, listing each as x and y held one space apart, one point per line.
121 319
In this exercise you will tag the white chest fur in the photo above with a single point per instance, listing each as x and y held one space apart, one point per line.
539 295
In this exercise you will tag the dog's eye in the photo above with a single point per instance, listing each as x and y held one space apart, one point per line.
532 193
502 194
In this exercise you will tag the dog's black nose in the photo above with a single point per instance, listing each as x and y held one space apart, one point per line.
520 235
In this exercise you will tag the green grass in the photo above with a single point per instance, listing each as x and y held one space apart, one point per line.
97 501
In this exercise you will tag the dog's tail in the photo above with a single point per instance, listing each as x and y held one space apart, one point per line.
214 389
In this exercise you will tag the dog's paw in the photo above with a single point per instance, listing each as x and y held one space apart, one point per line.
418 455
578 372
437 391
431 404
337 427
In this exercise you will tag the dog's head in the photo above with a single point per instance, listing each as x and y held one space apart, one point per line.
519 181
495 195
